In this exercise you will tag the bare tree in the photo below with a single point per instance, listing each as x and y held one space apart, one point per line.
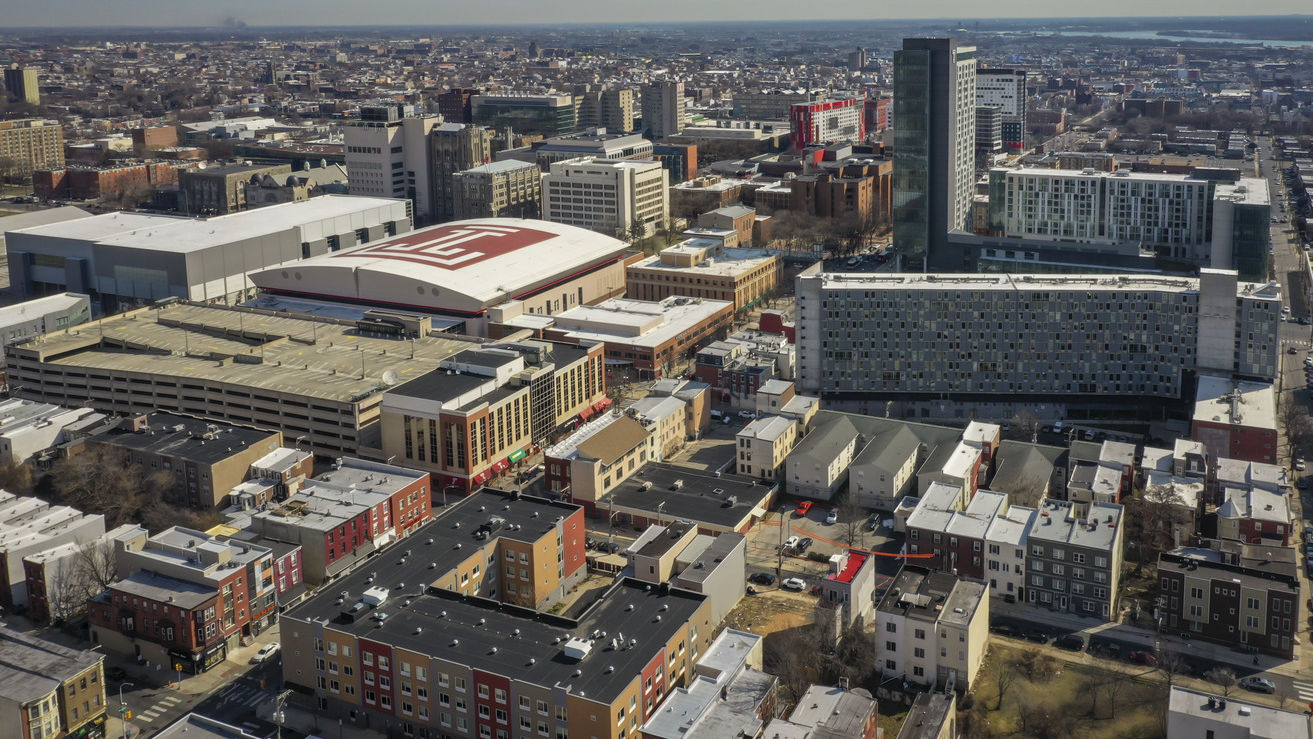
1023 426
102 479
72 580
795 656
1299 428
1172 665
1003 673
852 514
16 477
1223 677
1153 516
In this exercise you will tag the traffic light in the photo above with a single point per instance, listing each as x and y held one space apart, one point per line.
127 715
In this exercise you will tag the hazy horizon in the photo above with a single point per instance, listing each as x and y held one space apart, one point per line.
312 13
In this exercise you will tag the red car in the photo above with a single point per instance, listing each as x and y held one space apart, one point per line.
803 507
1144 658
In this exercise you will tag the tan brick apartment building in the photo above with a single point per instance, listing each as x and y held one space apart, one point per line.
701 268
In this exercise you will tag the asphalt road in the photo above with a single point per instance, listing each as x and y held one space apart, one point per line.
1040 631
232 702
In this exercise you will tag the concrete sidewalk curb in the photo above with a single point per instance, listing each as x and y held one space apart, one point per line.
1198 649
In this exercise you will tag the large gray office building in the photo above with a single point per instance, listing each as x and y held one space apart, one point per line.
1064 338
126 259
934 144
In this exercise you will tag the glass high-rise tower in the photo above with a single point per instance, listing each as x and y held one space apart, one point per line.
934 145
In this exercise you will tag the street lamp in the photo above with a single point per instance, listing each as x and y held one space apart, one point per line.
123 708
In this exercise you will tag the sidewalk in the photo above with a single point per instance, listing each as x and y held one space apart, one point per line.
1195 648
193 689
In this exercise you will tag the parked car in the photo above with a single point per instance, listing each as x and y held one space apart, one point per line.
1144 658
1006 629
762 578
873 523
115 673
266 652
1292 350
1074 642
794 583
1038 635
804 544
747 414
804 507
1258 684
791 542
833 515
1299 464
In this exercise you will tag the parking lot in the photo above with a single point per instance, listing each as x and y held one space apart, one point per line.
766 552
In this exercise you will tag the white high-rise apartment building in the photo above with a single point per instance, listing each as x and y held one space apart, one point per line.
609 196
1005 89
663 108
387 156
963 135
1171 213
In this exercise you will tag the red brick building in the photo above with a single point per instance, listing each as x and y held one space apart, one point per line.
90 183
346 514
183 598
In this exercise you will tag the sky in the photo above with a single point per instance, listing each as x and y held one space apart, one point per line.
83 13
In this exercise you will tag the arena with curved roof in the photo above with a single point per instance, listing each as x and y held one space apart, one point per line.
484 271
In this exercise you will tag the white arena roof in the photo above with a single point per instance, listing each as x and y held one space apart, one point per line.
464 267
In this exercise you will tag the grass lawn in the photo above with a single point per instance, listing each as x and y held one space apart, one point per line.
1069 700
892 722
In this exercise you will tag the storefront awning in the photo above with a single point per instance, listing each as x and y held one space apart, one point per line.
518 455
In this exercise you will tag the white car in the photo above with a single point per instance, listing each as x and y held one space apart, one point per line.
794 583
1299 464
791 542
747 414
267 651
832 516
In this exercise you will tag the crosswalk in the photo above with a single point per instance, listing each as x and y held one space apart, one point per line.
1304 691
161 706
243 694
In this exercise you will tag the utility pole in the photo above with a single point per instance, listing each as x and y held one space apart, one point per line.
124 713
278 717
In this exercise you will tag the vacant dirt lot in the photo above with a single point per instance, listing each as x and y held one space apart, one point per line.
771 611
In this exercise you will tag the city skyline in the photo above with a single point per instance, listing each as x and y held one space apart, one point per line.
138 13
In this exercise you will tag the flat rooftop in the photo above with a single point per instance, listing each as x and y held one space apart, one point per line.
508 640
1098 530
726 263
1236 718
32 668
701 497
190 438
623 320
1237 403
184 235
1025 283
306 356
33 309
916 590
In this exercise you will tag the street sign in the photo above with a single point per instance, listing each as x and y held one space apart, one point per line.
123 709
177 665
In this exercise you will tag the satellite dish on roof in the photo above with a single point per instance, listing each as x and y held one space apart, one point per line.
391 378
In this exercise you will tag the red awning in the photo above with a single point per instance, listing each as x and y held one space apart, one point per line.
481 477
586 413
602 405
503 464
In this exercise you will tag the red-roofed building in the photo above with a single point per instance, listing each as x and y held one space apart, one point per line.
846 592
